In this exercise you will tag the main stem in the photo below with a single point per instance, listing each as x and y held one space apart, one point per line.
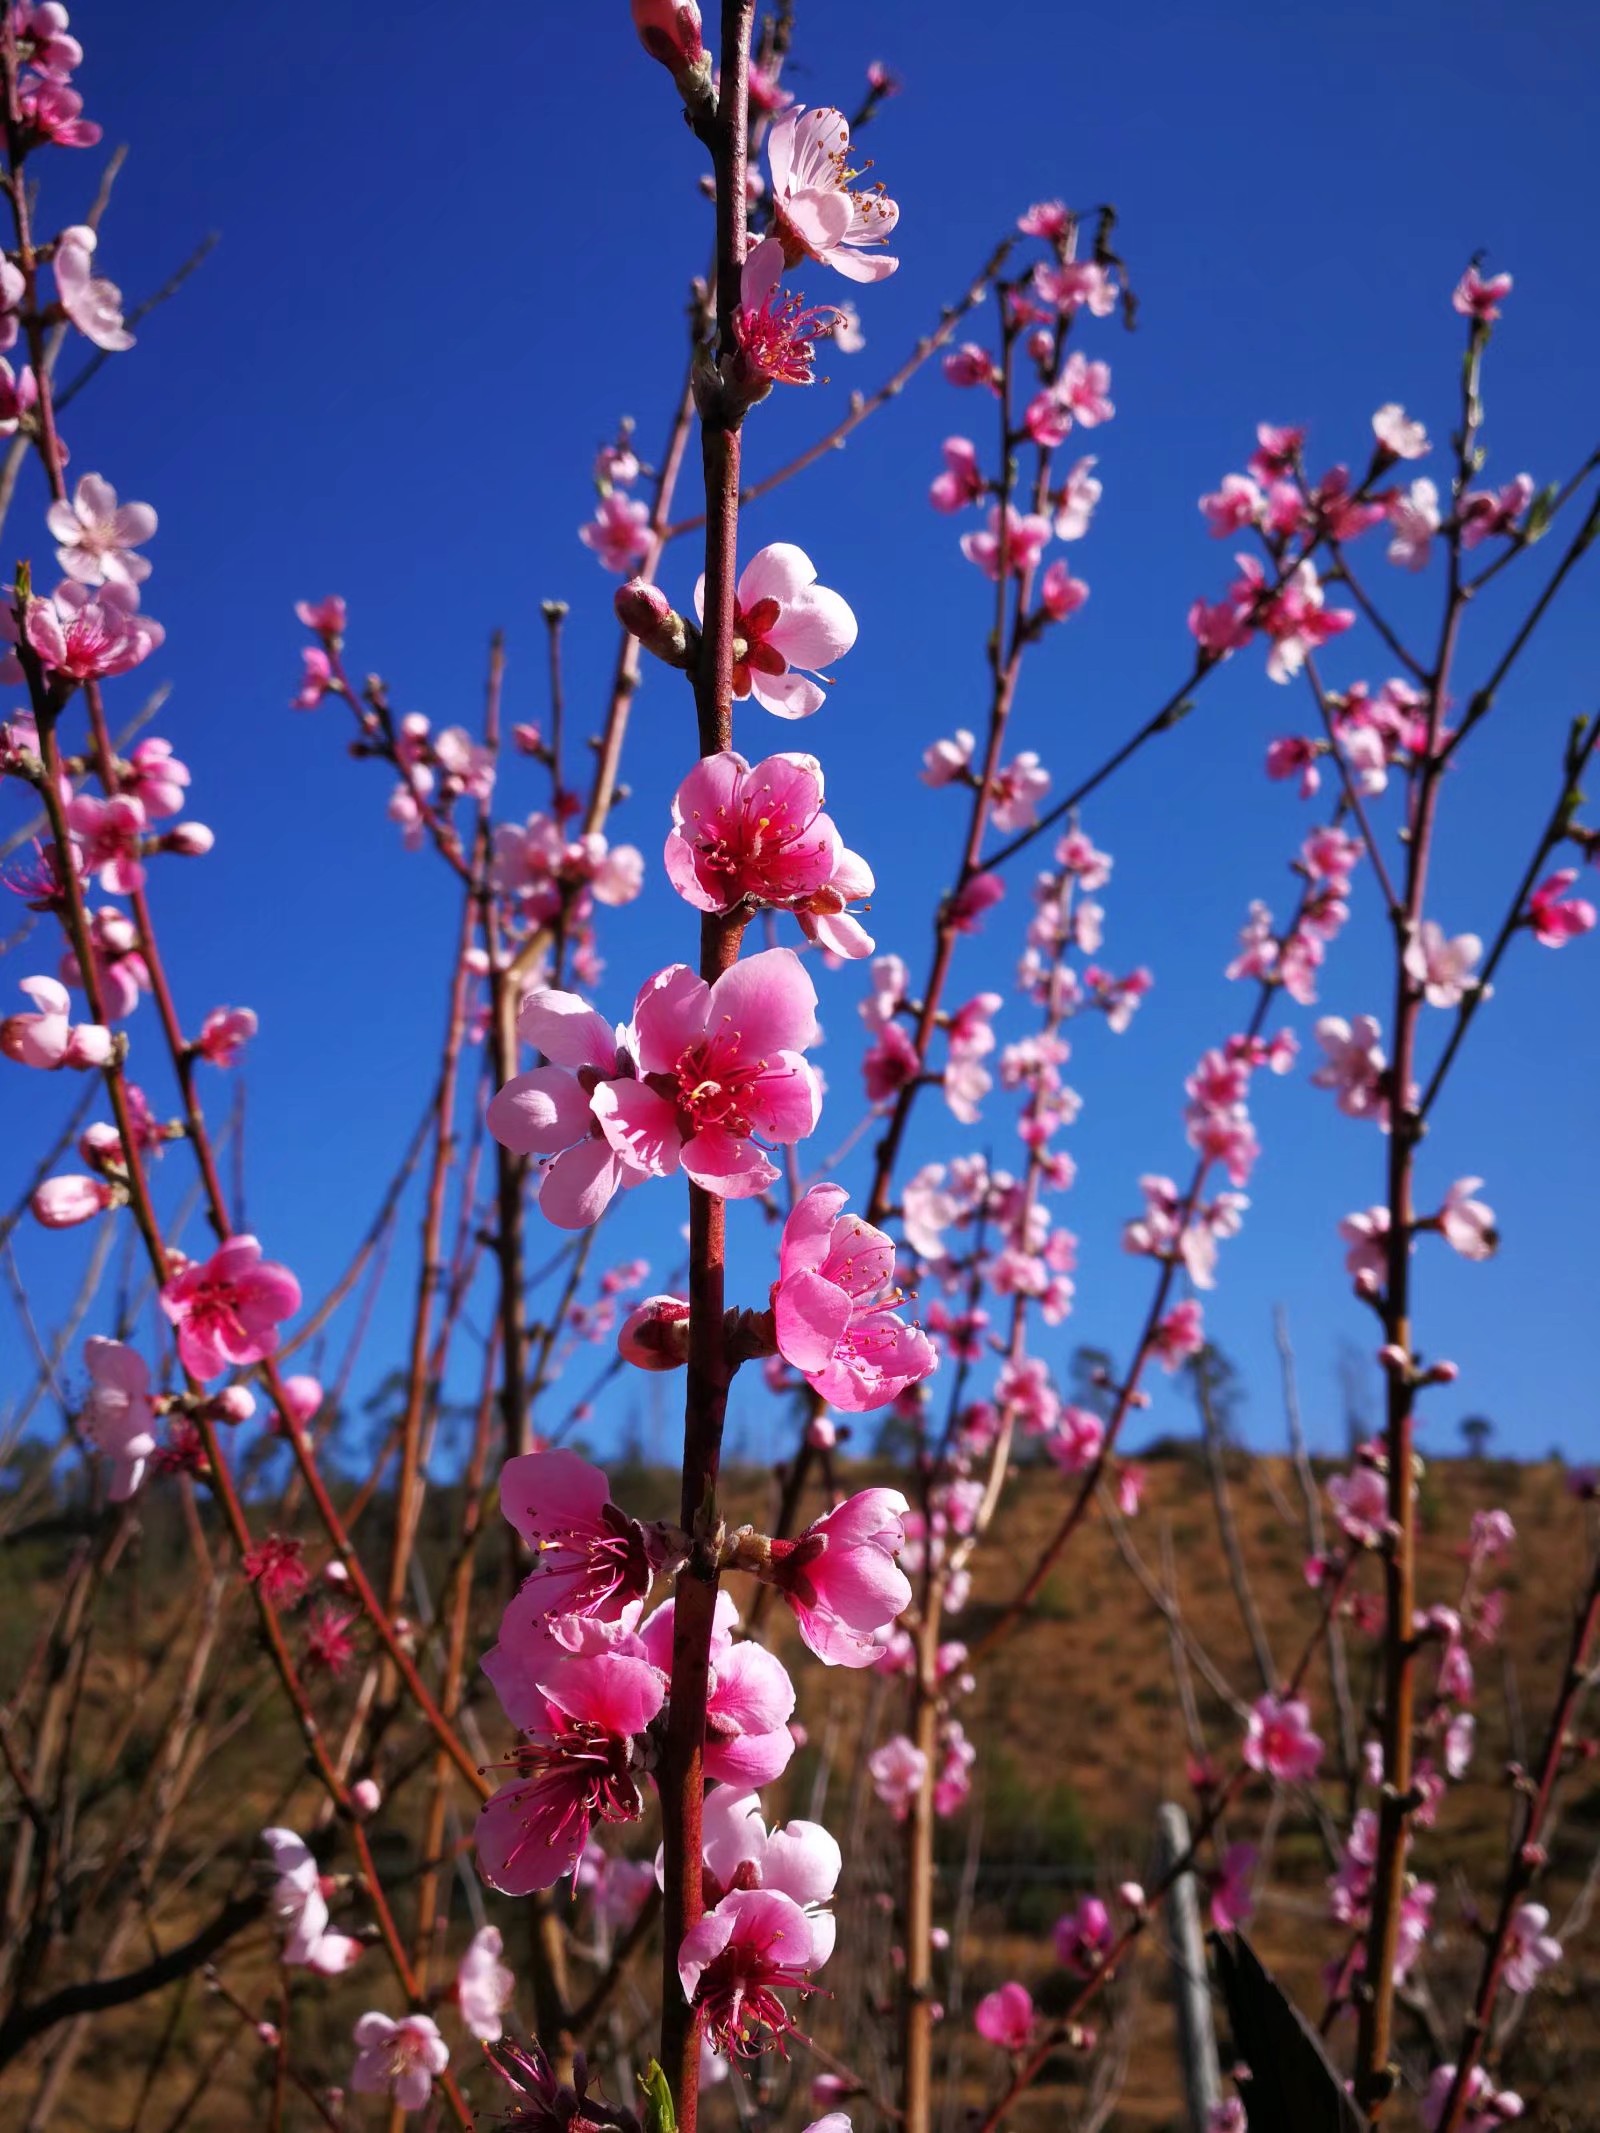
682 1777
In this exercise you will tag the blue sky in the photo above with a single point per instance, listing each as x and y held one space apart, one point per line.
453 252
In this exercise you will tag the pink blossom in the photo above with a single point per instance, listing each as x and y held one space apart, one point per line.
1400 435
227 1309
784 621
1060 593
301 1908
315 681
946 761
93 305
401 2058
816 214
1556 917
1476 298
1280 1742
971 365
897 1770
842 1580
1180 1334
156 778
759 836
1368 1257
42 42
1354 1066
1467 1224
978 893
580 1703
801 1860
64 1202
619 532
962 481
1084 1937
891 1063
224 1034
1482 514
1070 285
1294 756
1295 617
1232 1891
589 1558
1277 451
110 834
326 617
1075 1439
777 331
1238 503
833 1307
48 1037
84 635
1533 1948
735 1961
1414 516
484 1985
1046 218
751 1700
117 1414
1012 544
1005 2017
699 1071
1017 790
1360 1502
97 535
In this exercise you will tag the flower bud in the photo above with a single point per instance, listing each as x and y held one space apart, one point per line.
655 1334
365 1797
235 1403
62 1203
190 840
88 1046
645 612
669 30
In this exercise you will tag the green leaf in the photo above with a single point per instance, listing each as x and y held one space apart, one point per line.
660 2114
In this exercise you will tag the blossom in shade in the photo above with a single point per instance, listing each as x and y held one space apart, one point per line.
93 304
277 1565
1279 1741
777 331
1005 2017
48 1037
962 481
109 834
1478 298
1467 1224
589 1558
1084 1937
97 535
579 1696
157 779
897 1770
758 835
1484 513
301 1909
1533 1948
1487 2108
1232 1889
1360 1502
842 1579
484 1985
947 760
700 1070
117 1415
224 1034
400 2058
619 532
1060 593
546 2105
1399 434
737 1958
787 627
226 1310
1237 504
751 1700
816 215
833 1307
1555 916
1011 545
971 365
1180 1334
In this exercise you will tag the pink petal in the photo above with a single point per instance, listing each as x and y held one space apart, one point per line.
788 695
640 1125
567 1030
815 628
579 1186
720 1162
769 1000
810 1317
540 1112
781 572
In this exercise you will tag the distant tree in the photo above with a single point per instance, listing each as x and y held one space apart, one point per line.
1477 1430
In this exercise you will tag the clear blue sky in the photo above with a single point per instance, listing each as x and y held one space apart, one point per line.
453 250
